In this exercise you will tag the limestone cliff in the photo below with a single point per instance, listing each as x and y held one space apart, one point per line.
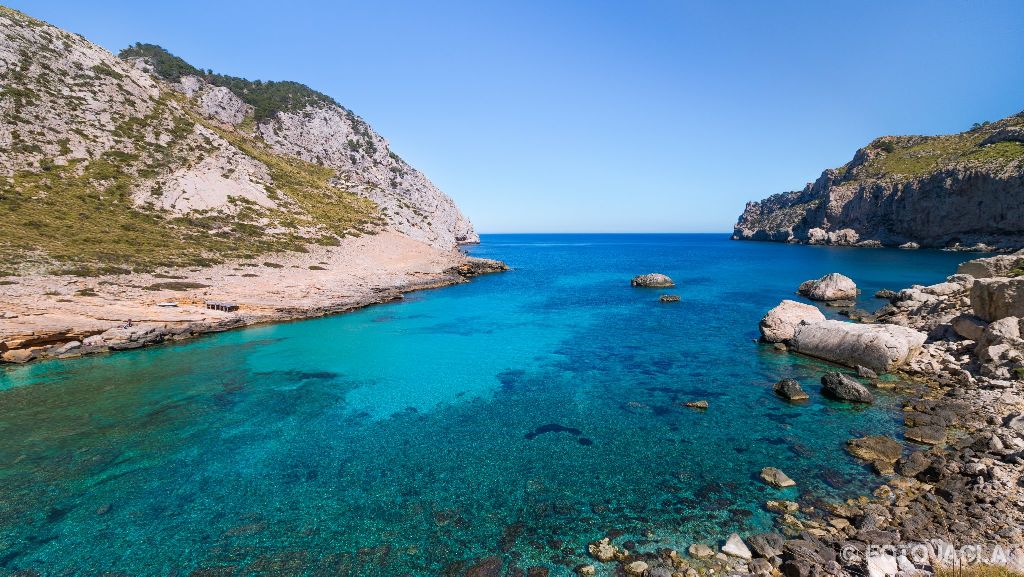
108 166
960 190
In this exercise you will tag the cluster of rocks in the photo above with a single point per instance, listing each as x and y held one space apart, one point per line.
956 479
804 328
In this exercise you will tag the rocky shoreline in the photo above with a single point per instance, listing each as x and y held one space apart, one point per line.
951 492
75 317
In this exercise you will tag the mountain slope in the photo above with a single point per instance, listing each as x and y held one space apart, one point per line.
105 167
962 189
297 121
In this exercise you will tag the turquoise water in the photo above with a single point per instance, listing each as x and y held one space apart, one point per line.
521 415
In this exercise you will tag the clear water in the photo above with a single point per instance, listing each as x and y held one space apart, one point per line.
407 438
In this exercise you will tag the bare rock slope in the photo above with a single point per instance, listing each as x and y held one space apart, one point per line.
958 190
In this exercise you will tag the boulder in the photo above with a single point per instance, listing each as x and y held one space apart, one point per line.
652 280
968 326
702 404
669 298
776 478
790 390
844 388
701 551
831 287
865 373
18 356
735 547
780 323
996 298
880 348
767 545
636 568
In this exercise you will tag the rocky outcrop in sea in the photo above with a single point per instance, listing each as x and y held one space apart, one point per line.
955 191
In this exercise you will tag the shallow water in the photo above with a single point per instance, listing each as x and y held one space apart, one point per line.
521 415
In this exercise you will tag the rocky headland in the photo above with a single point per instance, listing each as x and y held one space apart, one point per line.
955 191
135 189
950 491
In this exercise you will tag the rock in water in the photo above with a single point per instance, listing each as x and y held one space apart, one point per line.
735 547
880 450
880 348
697 404
790 390
780 324
831 287
652 280
669 298
844 388
776 478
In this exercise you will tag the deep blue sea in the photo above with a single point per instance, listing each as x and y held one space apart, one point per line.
520 415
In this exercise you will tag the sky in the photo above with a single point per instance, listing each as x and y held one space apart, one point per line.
592 116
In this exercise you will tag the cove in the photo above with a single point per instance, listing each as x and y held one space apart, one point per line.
413 438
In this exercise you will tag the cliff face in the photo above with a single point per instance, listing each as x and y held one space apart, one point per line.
960 190
110 164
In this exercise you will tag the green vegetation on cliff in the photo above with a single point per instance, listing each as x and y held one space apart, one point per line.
266 98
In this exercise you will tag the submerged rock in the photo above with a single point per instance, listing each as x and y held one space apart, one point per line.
880 348
844 388
652 280
780 323
831 287
790 390
602 550
776 478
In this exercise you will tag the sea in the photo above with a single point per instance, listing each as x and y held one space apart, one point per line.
511 419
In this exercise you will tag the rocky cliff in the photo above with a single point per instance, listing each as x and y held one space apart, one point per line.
960 190
114 164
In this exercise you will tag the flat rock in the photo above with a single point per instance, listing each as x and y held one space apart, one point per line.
790 390
875 448
880 348
696 404
831 287
776 478
653 280
780 323
927 434
844 388
669 298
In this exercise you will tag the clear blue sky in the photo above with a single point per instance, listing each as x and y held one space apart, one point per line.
607 116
